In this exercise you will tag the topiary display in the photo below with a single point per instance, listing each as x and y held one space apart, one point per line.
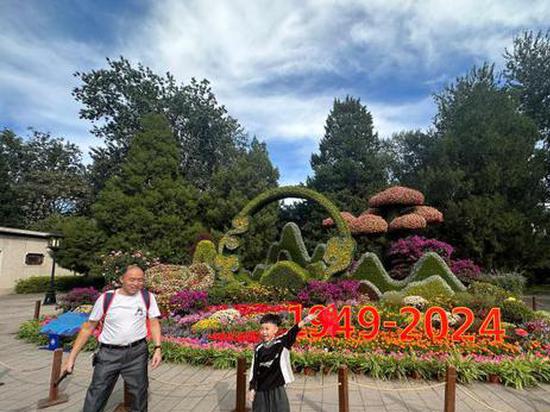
205 252
371 270
291 245
337 255
285 274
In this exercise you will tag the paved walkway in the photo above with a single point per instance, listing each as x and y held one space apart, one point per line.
185 388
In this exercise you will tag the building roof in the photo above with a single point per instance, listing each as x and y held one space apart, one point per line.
26 233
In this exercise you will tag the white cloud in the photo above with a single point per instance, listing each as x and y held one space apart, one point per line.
253 52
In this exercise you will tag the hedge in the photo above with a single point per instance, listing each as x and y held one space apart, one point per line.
38 284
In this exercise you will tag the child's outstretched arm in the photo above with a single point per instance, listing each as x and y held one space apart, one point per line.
289 338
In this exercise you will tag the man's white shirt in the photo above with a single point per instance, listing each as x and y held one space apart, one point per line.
126 318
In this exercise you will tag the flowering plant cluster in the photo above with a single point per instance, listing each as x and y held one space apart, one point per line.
115 263
187 301
77 297
320 292
466 270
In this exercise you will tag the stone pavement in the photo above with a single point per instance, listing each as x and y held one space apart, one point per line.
185 388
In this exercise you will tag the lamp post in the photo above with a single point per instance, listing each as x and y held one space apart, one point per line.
53 245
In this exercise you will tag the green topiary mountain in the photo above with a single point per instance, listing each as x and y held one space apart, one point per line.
372 272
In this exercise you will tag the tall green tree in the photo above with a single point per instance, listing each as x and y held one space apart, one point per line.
149 205
231 188
46 174
10 211
480 165
115 98
350 165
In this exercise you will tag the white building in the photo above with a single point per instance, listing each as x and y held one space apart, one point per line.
24 253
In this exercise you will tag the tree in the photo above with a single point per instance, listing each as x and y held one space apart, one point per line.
82 243
481 166
350 165
231 188
46 174
527 75
148 205
115 99
10 211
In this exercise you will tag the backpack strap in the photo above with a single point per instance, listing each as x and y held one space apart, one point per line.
146 296
107 301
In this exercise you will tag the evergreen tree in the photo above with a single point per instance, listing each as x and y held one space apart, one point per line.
350 165
149 206
231 188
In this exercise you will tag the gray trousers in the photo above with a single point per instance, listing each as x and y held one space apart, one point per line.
273 400
131 363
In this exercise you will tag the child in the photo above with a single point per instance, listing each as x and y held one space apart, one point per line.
271 368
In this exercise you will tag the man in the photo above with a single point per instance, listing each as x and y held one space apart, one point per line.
122 345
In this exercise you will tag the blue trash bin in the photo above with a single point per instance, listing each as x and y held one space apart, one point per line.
54 341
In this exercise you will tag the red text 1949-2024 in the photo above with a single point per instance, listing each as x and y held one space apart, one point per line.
331 322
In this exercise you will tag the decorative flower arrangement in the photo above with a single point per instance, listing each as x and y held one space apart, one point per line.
397 195
466 270
431 214
321 292
368 223
187 301
115 263
417 301
206 325
410 221
226 316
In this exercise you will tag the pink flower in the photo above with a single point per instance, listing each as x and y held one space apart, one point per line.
521 332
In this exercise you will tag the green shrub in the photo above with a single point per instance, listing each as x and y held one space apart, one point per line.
39 284
488 290
235 292
431 288
513 282
285 274
205 252
515 311
29 331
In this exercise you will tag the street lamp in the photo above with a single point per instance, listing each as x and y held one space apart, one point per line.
53 244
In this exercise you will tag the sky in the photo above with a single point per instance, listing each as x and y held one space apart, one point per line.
277 66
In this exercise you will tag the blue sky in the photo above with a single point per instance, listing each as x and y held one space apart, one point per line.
276 66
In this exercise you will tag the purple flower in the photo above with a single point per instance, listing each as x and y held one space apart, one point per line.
320 292
188 301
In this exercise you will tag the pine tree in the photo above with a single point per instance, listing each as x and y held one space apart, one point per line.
149 206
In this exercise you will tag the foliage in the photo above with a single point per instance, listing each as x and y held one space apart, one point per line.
231 188
77 297
430 288
351 161
513 282
46 175
29 331
115 98
205 252
38 284
515 311
285 274
320 292
148 204
82 241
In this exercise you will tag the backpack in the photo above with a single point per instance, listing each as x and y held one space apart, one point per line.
108 300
